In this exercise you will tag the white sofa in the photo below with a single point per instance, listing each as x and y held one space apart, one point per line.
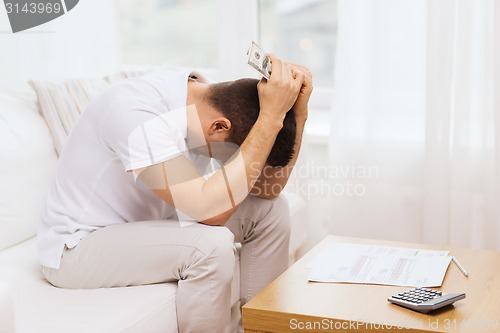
29 304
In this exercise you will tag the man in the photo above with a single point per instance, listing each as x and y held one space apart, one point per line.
137 167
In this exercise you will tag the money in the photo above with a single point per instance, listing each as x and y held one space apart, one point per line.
259 60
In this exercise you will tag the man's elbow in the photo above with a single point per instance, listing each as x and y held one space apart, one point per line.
218 220
214 221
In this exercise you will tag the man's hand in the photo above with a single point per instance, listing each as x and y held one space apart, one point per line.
272 182
278 94
300 107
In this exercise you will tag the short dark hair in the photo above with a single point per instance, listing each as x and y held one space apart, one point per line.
238 101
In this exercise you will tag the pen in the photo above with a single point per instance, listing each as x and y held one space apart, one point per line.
460 267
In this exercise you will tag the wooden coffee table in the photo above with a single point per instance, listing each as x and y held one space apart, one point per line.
293 304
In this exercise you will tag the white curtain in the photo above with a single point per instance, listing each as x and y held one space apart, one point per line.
417 99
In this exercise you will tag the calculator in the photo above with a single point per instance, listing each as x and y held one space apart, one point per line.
424 300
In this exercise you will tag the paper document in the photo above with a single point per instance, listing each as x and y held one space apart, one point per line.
370 264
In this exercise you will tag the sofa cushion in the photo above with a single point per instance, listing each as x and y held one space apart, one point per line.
27 159
62 104
40 307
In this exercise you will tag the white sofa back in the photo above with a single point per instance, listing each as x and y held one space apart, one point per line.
27 160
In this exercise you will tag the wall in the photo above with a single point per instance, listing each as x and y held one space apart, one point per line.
81 43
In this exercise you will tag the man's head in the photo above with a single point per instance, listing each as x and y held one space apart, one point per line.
238 102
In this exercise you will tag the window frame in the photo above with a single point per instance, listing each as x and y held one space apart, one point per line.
239 24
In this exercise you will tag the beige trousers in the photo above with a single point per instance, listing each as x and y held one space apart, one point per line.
199 257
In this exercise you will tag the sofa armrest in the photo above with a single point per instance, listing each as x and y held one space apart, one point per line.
6 310
299 225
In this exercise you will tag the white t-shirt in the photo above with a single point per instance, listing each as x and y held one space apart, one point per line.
134 124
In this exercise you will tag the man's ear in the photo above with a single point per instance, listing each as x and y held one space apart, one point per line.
220 126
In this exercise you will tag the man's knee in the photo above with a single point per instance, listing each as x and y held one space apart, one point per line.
221 251
280 206
281 211
273 215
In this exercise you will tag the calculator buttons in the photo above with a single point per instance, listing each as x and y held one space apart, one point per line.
424 299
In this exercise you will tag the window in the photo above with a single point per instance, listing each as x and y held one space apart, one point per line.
302 31
215 35
153 32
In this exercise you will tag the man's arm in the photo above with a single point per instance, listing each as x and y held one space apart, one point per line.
214 200
272 180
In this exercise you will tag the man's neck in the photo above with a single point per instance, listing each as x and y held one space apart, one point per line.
195 91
